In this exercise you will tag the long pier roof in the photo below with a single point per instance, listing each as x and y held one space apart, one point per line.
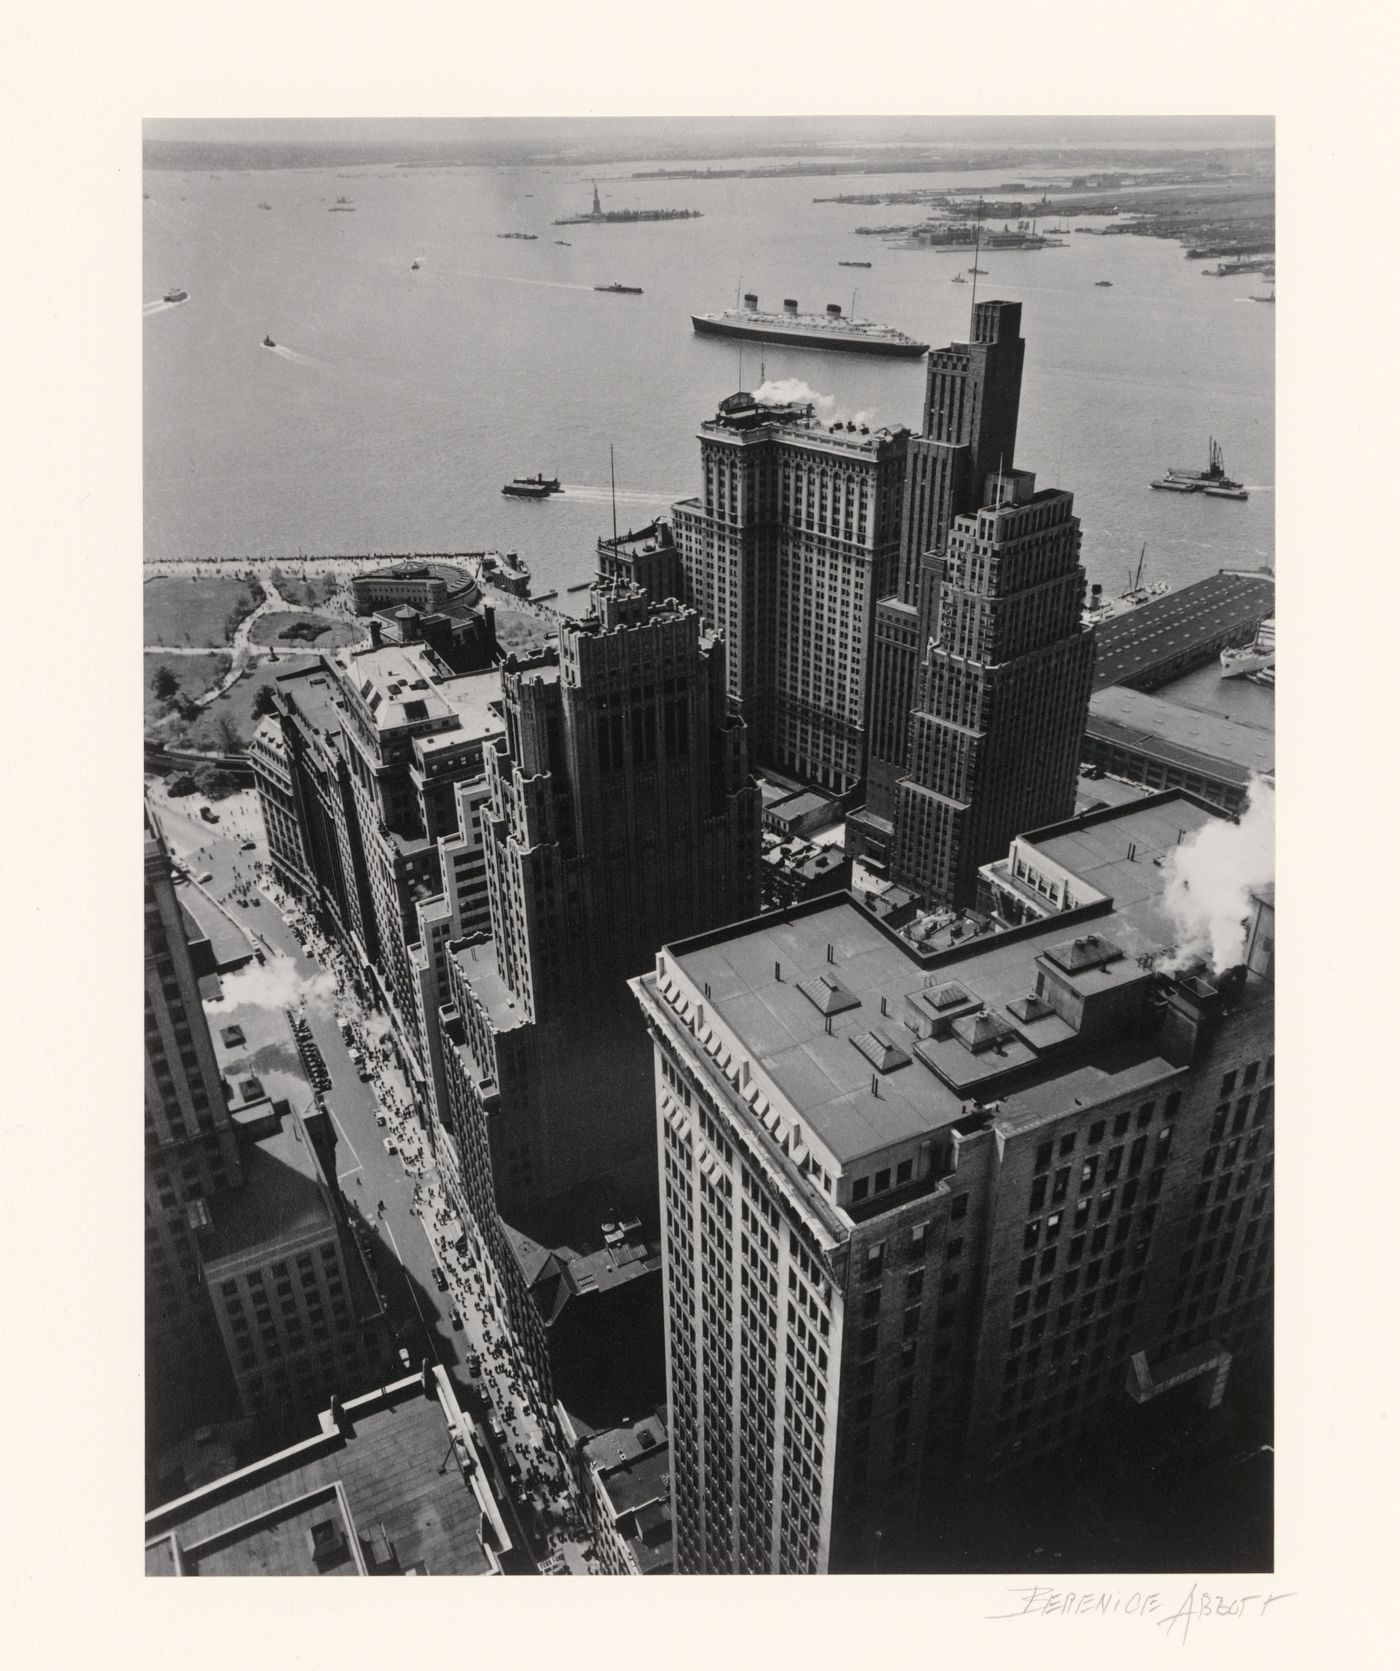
1221 607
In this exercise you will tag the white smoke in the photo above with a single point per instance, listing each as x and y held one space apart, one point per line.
1209 880
788 391
275 985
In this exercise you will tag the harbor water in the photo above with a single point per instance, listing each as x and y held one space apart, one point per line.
397 402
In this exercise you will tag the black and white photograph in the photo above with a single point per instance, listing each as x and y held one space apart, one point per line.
709 779
704 671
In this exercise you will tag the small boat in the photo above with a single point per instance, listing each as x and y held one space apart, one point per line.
549 483
1223 490
415 266
563 243
267 342
959 279
852 263
981 270
264 205
619 289
176 295
525 490
524 237
1269 298
1103 284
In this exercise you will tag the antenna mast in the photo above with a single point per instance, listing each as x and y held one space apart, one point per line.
612 479
976 255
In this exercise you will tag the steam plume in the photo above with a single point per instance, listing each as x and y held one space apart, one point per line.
792 390
275 985
1209 879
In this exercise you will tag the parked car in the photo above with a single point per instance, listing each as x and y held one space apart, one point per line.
379 1119
208 815
456 1319
246 846
440 1278
390 1147
205 876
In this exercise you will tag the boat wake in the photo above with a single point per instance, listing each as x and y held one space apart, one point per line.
585 493
148 309
519 278
291 354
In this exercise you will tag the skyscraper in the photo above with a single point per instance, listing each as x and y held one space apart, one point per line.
619 807
932 1217
793 539
996 733
971 404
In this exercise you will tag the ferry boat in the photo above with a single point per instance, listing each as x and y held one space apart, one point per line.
1255 657
619 289
808 330
176 295
526 490
549 483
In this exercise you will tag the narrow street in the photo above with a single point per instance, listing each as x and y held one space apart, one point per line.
385 1171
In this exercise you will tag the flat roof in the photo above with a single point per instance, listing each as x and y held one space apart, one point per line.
753 980
229 942
381 1488
1165 627
400 685
253 1038
1096 851
480 963
1193 738
280 1200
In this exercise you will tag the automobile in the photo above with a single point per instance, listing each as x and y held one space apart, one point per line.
390 1147
404 1358
474 1364
456 1319
379 1120
440 1278
205 876
208 815
246 846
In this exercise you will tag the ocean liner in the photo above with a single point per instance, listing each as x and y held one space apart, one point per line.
808 330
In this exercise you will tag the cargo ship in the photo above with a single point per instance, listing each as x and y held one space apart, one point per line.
831 330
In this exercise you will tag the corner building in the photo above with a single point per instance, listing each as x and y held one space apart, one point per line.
794 538
929 1218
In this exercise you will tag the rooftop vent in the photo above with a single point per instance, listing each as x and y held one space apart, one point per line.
880 1050
983 1030
828 995
1029 1008
944 997
1089 951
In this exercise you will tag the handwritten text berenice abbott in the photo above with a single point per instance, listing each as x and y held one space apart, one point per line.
1043 1601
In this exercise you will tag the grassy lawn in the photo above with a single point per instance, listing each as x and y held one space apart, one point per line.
269 629
316 589
520 632
196 675
229 722
197 612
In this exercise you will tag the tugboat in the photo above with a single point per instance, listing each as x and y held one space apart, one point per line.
176 295
549 483
267 342
619 289
1103 284
415 266
959 279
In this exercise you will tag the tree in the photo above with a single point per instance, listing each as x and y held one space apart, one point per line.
164 686
264 702
228 735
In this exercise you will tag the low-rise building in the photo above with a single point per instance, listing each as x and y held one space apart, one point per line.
1166 745
627 1477
395 1483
